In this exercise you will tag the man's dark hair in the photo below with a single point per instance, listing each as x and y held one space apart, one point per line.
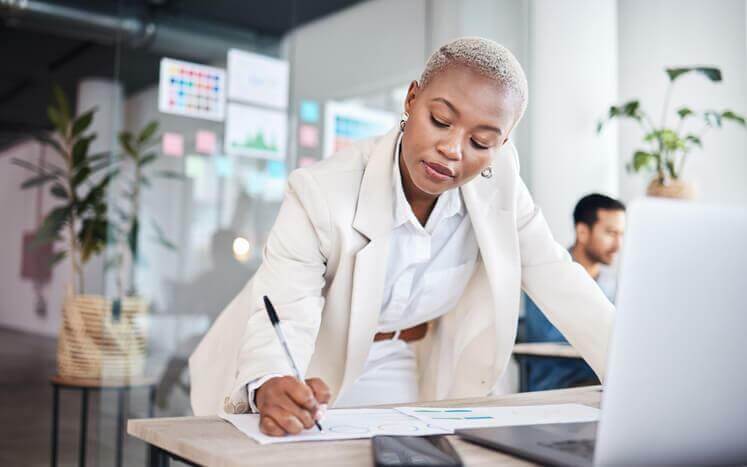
587 208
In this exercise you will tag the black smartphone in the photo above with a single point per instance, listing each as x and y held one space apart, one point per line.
414 451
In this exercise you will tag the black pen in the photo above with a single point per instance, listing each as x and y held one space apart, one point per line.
276 325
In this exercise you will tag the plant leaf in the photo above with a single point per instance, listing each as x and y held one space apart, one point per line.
712 118
147 159
125 140
27 165
80 150
642 159
170 174
38 180
713 74
132 237
62 103
684 112
57 257
729 115
57 120
82 123
694 140
59 191
81 176
147 132
49 141
670 168
50 228
161 238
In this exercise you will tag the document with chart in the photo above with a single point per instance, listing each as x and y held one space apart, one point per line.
417 421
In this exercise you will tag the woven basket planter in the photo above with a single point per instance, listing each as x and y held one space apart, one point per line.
673 189
93 344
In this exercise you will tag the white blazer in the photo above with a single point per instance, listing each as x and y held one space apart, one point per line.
323 268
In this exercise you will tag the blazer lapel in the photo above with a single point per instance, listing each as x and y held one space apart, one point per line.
373 219
487 202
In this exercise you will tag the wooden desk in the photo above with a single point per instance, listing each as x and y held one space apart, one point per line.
546 349
211 441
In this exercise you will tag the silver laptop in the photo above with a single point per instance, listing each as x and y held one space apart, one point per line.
676 388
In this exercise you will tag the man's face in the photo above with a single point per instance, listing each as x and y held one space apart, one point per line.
602 242
457 123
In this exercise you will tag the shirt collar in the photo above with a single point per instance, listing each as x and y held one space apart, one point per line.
448 204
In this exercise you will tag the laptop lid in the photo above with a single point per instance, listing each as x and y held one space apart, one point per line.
676 388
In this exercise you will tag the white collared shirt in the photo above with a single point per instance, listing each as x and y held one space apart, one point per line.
427 271
428 266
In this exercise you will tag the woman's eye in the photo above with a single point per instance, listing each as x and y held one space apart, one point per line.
479 146
437 123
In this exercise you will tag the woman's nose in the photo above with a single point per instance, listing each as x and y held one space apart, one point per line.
451 147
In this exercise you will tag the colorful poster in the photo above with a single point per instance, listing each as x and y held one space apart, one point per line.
345 123
191 90
255 132
257 79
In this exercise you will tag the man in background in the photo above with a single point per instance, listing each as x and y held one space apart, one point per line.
600 223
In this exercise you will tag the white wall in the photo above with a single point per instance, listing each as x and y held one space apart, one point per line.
572 79
371 46
665 33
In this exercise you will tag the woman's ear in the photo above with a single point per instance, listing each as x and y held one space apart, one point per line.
412 93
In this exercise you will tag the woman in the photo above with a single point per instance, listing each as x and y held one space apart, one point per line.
396 265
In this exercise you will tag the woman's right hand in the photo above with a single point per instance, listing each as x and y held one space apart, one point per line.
287 406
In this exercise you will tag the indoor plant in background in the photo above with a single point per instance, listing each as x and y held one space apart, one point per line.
92 342
138 155
668 146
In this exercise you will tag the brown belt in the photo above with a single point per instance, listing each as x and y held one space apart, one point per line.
414 333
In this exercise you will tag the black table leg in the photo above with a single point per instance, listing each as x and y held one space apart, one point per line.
55 422
83 428
523 374
122 399
158 457
151 402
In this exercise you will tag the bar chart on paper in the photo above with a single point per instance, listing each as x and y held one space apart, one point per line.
482 417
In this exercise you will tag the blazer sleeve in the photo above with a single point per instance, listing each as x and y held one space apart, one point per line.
292 276
561 288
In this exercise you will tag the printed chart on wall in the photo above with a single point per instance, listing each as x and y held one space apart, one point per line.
255 132
191 90
346 123
257 79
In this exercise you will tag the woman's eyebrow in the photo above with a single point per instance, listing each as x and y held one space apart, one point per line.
454 109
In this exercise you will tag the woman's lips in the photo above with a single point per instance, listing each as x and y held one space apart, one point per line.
437 172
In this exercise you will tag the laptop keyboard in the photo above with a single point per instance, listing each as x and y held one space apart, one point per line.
578 447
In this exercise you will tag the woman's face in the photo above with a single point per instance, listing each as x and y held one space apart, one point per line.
456 124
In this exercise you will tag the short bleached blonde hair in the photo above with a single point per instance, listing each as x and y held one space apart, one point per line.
488 58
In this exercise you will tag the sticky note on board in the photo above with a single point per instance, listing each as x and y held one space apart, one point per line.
309 111
308 136
205 142
172 144
223 165
195 166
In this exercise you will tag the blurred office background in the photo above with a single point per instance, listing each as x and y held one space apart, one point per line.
244 92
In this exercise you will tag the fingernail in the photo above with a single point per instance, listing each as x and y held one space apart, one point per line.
321 412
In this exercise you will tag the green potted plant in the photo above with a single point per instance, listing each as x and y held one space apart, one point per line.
667 146
138 155
92 343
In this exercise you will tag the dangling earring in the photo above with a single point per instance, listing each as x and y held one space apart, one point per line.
487 172
403 121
